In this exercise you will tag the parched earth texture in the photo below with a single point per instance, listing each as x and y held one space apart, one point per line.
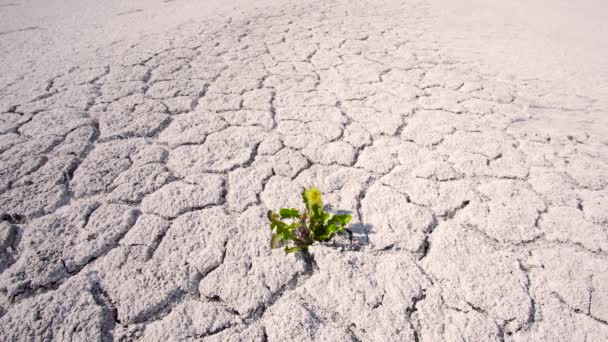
134 186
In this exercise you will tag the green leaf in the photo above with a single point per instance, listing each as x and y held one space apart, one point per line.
317 218
280 226
274 219
272 216
289 213
317 211
286 232
293 249
305 199
342 220
276 241
333 228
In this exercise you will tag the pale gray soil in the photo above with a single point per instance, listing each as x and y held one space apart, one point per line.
141 144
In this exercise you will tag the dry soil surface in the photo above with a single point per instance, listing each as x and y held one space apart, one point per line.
142 142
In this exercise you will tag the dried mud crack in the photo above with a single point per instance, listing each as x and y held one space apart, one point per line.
134 186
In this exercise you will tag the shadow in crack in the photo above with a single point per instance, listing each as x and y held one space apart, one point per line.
360 232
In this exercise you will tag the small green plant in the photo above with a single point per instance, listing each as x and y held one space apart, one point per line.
313 224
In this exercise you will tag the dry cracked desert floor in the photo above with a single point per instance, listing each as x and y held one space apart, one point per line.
142 142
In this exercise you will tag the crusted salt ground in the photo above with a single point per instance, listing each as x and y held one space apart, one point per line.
136 168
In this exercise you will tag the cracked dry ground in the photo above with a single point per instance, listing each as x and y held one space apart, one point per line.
134 189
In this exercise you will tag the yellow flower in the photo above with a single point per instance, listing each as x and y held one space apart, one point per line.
313 195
